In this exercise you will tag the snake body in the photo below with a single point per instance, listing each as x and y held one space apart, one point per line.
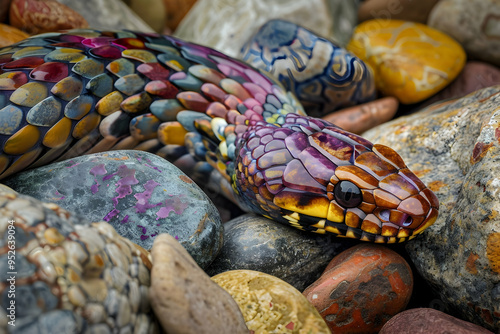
83 91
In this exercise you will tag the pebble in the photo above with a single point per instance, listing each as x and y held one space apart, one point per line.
270 305
323 76
363 117
428 320
458 157
411 61
473 23
184 298
406 10
361 289
256 243
10 35
140 194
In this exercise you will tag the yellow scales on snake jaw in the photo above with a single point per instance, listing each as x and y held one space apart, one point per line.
68 94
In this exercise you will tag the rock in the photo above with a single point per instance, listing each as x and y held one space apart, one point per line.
4 9
406 10
361 289
140 194
108 14
39 16
70 275
454 148
184 298
473 23
256 243
151 11
428 320
363 117
226 25
270 305
175 11
323 76
10 35
411 61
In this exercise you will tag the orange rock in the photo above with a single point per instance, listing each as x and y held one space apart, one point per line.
39 16
363 117
10 35
176 10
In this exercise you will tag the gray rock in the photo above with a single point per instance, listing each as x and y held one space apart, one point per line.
140 194
454 147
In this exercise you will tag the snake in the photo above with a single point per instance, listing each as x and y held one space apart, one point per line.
76 92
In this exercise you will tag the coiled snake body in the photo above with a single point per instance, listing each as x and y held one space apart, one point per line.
84 91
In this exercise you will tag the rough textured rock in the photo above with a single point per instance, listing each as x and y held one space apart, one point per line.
184 298
411 61
363 117
454 147
323 76
140 194
69 275
407 10
429 321
256 243
473 23
361 289
270 305
10 35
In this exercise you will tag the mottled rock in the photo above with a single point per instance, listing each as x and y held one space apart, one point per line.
406 10
270 305
140 194
323 76
361 289
69 275
10 35
363 117
184 298
429 321
454 147
473 23
256 243
411 61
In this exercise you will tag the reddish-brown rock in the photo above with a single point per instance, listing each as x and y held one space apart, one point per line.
429 321
361 289
10 35
406 10
363 117
39 16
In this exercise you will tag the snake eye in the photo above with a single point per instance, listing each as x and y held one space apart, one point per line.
347 194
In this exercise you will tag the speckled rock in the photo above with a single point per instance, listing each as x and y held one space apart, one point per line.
184 298
140 194
69 275
256 243
407 10
270 305
363 117
454 147
361 289
323 76
10 35
429 321
473 23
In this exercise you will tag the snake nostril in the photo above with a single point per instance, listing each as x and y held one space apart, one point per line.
408 221
385 215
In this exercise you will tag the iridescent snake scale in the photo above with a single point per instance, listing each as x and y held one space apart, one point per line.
78 92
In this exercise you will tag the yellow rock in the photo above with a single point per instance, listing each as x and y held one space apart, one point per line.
411 61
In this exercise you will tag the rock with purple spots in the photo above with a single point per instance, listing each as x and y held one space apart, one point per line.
140 194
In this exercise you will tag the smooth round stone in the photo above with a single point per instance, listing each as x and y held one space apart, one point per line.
361 289
428 320
473 23
140 194
10 35
256 243
407 10
454 148
184 298
411 61
322 75
363 117
270 305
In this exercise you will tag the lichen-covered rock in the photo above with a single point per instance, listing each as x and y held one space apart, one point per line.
323 76
256 243
361 289
270 305
62 274
184 298
454 147
140 194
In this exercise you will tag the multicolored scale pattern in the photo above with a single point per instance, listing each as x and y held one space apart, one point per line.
84 91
